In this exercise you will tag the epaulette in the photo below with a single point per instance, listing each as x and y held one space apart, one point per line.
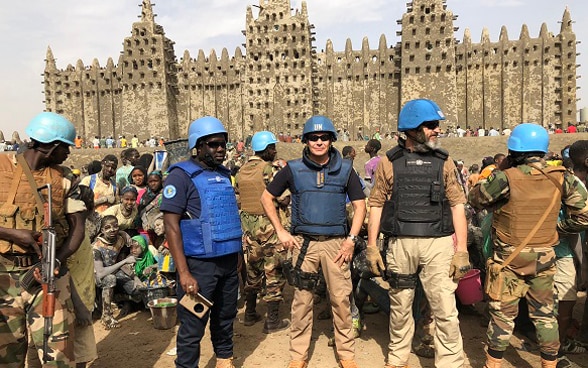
441 153
395 153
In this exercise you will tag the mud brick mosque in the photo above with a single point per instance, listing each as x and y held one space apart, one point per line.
280 79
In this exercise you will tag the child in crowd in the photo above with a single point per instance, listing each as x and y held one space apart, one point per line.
111 254
138 179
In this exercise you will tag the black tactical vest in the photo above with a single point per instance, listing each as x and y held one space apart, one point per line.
418 206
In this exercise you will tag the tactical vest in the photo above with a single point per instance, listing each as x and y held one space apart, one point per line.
22 212
530 196
318 196
251 186
217 231
420 206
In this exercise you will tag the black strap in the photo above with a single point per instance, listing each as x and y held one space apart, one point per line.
302 254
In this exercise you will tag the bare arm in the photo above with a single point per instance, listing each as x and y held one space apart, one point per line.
176 247
460 226
267 201
102 271
374 226
76 235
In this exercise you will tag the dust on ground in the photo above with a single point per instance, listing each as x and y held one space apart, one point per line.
137 344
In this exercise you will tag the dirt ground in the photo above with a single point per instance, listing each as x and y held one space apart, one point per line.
137 344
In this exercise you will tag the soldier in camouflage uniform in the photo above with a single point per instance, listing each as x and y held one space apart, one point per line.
520 192
264 250
20 225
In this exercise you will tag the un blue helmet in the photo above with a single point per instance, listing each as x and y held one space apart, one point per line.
49 127
262 139
528 137
202 127
319 123
416 112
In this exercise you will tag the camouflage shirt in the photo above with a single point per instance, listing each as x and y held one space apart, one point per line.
494 192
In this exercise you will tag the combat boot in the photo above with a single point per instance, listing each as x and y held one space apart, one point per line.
548 363
492 362
224 363
348 364
251 315
297 364
273 323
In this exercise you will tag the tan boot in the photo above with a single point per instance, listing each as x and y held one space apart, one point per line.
297 364
548 363
224 363
348 364
395 366
492 362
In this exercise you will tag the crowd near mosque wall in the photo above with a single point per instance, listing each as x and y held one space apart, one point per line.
281 79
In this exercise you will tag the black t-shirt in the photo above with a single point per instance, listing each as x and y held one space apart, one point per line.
284 180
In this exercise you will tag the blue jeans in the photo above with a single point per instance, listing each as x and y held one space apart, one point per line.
218 281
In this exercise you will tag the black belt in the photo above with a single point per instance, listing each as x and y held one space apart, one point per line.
19 260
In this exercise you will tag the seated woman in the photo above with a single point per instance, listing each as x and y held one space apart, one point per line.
126 211
111 266
138 179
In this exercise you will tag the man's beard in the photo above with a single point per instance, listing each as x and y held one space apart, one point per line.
209 160
422 144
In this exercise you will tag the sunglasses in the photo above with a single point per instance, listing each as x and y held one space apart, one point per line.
216 145
432 125
324 137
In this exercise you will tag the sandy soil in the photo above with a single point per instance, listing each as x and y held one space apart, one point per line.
137 344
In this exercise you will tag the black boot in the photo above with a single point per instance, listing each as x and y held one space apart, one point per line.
273 323
251 316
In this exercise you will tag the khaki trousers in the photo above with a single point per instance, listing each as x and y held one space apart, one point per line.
433 256
338 279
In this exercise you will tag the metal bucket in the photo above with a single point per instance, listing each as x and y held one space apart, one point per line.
177 150
163 312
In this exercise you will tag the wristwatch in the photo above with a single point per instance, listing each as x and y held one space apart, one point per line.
352 237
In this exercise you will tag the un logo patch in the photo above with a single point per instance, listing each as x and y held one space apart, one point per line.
169 191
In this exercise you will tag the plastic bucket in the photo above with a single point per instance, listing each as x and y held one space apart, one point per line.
469 289
163 312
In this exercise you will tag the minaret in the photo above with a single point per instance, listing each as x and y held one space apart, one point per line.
147 11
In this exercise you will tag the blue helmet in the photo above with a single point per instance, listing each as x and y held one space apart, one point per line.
202 127
416 112
528 137
262 139
49 127
319 123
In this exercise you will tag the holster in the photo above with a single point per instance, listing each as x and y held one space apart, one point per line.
402 281
295 276
494 280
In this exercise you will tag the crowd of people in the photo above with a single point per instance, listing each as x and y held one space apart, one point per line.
398 237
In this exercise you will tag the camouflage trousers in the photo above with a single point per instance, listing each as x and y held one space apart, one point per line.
530 277
264 258
21 319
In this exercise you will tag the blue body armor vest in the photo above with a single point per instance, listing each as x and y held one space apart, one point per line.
217 232
319 196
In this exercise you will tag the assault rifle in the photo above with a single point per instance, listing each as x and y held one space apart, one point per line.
48 263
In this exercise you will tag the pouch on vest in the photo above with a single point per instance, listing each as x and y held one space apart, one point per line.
387 218
193 227
494 280
8 221
26 219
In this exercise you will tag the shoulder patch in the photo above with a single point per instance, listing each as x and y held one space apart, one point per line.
491 178
169 191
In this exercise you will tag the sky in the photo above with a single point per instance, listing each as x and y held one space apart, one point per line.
86 30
